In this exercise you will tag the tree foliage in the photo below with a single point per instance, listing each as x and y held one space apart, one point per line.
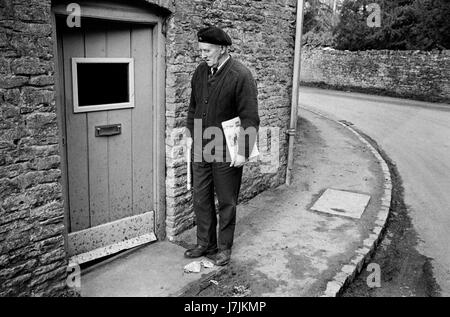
318 24
405 25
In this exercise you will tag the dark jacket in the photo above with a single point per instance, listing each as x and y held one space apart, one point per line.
231 92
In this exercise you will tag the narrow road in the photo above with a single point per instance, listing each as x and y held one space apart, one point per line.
416 136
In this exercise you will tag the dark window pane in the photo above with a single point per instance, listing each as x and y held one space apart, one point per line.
100 83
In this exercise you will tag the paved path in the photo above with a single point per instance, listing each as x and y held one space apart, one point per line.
282 248
416 136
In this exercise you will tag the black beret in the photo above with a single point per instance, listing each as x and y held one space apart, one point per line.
214 35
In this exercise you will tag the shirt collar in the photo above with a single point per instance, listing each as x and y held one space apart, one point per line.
223 63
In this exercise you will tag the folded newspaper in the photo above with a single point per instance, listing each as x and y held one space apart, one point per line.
231 129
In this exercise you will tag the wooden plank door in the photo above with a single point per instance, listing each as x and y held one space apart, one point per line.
110 179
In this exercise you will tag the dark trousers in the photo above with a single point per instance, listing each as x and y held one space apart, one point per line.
226 182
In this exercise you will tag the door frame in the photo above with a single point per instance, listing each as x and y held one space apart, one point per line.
125 13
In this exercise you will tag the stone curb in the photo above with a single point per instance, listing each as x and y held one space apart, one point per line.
348 272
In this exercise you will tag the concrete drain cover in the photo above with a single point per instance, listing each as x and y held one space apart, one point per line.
342 203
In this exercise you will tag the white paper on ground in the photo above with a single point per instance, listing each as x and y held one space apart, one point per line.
207 264
196 266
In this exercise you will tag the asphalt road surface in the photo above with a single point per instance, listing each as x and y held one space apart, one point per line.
416 137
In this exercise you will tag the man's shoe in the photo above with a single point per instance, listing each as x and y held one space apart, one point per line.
222 258
199 251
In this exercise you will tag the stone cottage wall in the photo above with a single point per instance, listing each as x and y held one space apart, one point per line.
32 254
411 74
263 34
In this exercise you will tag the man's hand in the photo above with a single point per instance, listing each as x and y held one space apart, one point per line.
239 161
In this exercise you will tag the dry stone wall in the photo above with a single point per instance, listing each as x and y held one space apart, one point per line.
411 74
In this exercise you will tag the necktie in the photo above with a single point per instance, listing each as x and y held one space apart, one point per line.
213 71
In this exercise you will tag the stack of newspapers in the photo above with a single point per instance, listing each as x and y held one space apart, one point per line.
231 129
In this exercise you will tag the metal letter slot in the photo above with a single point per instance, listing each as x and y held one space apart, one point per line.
108 130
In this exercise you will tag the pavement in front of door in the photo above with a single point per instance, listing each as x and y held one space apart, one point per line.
283 247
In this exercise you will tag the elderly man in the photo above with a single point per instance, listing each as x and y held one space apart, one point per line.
222 89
